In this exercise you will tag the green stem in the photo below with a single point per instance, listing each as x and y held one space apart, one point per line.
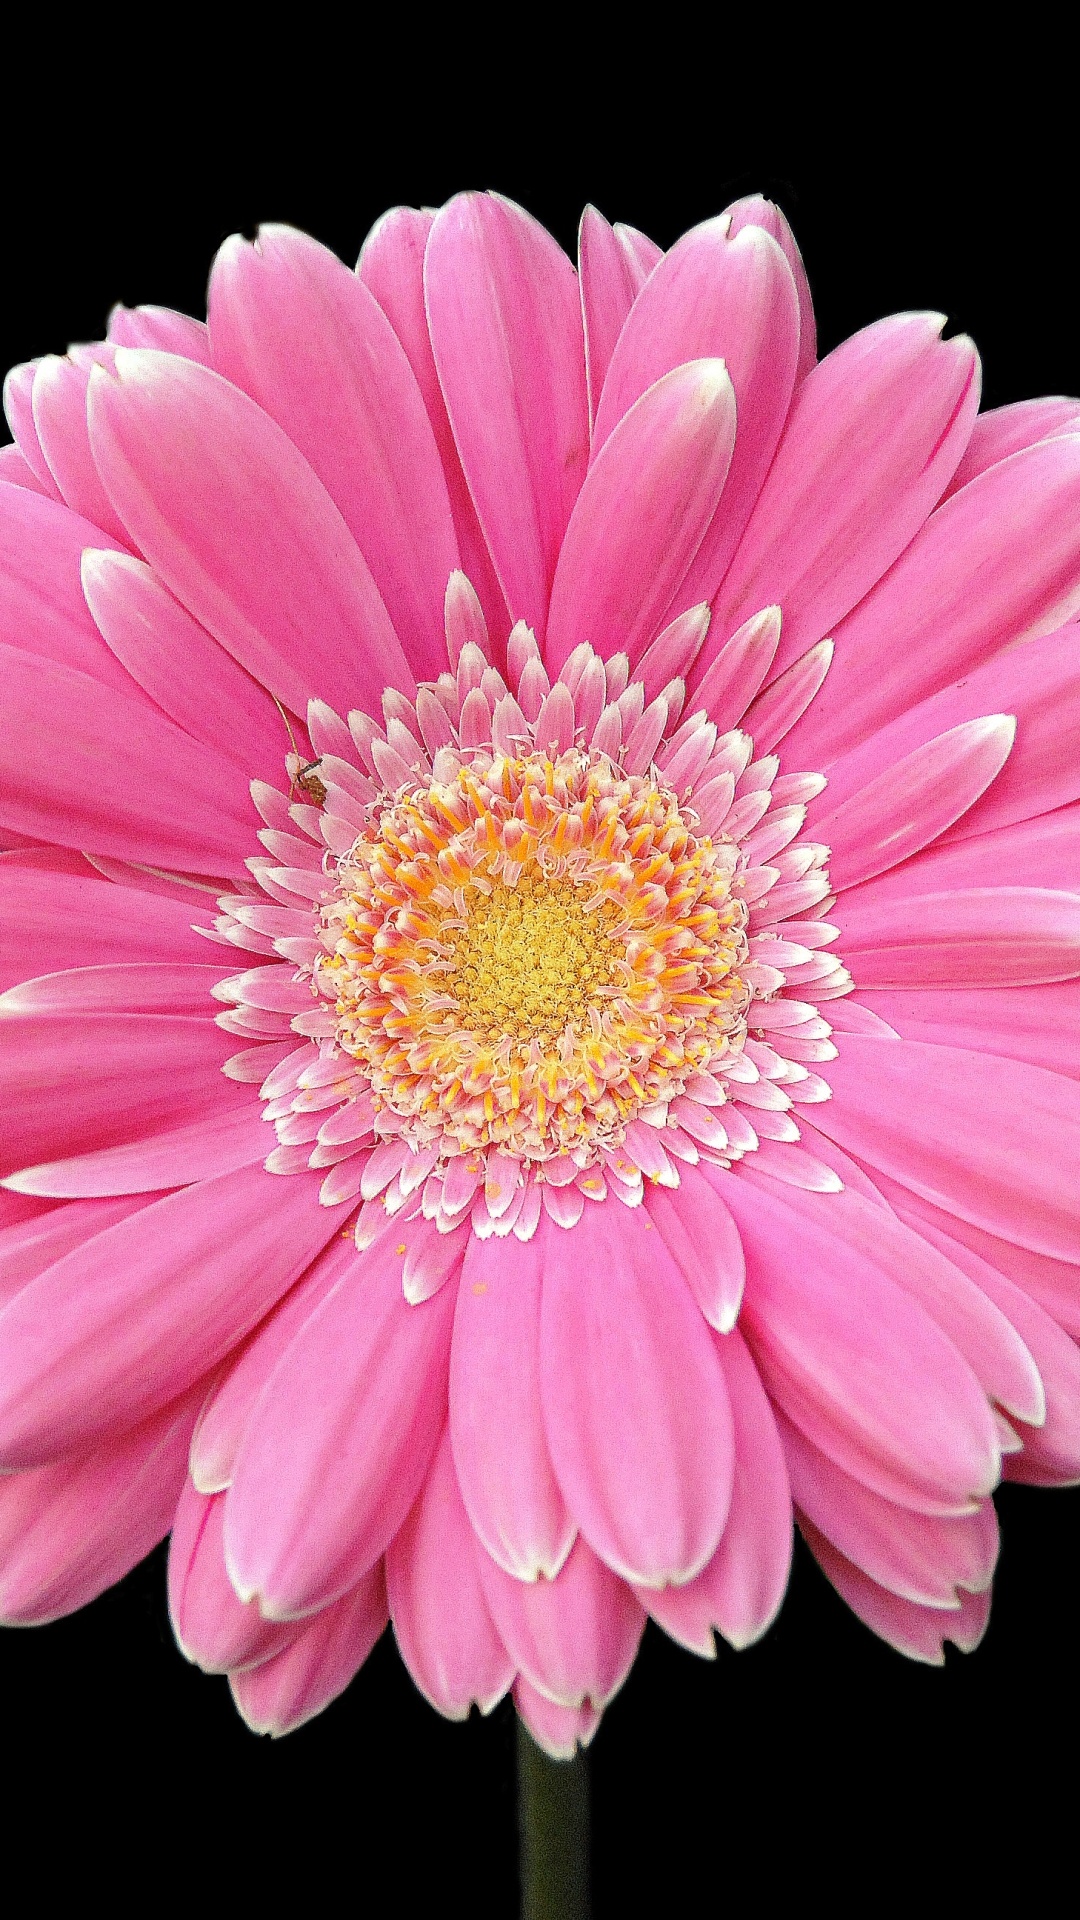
553 1833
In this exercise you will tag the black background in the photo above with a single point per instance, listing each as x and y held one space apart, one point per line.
819 1766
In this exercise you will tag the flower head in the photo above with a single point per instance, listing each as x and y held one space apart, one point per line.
658 961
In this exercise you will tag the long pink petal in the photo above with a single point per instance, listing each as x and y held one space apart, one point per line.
715 295
914 800
505 321
1053 1284
496 1423
754 211
279 1695
999 562
873 435
193 680
635 1407
42 608
96 768
160 327
1040 1025
292 327
703 1240
852 1359
741 1589
215 1143
442 1622
19 411
100 923
918 1632
33 1241
222 1421
338 1446
213 1627
1039 684
132 987
233 520
391 265
129 1320
574 1638
642 513
978 937
611 277
138 1072
17 472
993 1140
1005 430
59 404
70 1530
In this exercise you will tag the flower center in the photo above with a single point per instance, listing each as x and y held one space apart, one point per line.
526 955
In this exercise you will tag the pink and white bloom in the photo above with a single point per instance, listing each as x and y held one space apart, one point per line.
541 955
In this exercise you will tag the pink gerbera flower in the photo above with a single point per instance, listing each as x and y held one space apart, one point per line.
653 946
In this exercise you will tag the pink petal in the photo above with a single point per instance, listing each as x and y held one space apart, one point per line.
233 520
558 1731
101 923
223 1419
915 1555
281 1694
703 1240
873 435
215 1143
851 1358
164 800
918 1632
611 276
292 327
442 1622
641 514
757 212
137 1073
574 1638
339 1444
174 660
999 562
131 987
59 404
1040 1025
42 608
785 700
31 1241
741 1589
130 1319
19 409
214 1629
496 1423
391 265
715 296
993 1140
635 1407
17 472
505 319
69 1530
1005 430
978 937
914 800
160 327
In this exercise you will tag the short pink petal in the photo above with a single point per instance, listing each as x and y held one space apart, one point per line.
442 1622
703 1240
574 1638
851 1358
70 1530
17 472
233 520
214 1629
741 1589
281 1694
641 515
505 319
164 800
42 608
715 295
558 1731
993 1140
292 327
635 1407
130 1319
59 403
340 1441
496 1422
873 435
